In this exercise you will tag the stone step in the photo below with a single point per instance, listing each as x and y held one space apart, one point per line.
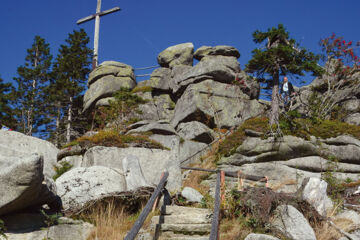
179 210
182 219
187 229
174 236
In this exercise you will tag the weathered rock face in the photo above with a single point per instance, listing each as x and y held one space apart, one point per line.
105 80
106 87
181 54
353 119
160 107
215 103
65 229
313 191
156 127
196 131
257 150
160 79
151 163
218 68
80 186
113 68
21 184
18 145
216 51
293 224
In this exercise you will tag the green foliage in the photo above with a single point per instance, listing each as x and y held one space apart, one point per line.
60 170
335 186
207 201
118 111
282 56
71 68
50 220
6 117
2 229
28 97
142 89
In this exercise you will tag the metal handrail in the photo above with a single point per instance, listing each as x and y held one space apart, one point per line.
147 209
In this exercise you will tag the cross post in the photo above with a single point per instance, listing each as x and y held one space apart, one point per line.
97 16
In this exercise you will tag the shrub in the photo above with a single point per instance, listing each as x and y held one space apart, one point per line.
141 89
112 138
65 166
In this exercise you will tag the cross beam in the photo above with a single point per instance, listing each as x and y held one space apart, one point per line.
91 17
97 16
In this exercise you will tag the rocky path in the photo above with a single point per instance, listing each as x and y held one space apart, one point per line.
182 223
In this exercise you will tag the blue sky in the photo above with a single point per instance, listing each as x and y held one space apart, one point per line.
143 28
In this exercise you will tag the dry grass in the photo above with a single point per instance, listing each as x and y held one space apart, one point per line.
233 229
325 231
111 222
195 177
277 186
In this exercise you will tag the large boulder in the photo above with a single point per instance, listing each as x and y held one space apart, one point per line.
106 87
160 79
152 162
191 195
81 186
221 50
112 68
313 191
215 104
18 145
218 68
21 184
181 54
290 222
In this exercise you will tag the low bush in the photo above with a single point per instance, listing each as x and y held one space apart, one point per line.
112 138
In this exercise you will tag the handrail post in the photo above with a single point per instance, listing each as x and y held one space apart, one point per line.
145 212
214 234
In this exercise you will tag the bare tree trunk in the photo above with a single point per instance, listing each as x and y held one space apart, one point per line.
274 114
68 129
30 111
57 134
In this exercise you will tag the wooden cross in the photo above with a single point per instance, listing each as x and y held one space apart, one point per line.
97 16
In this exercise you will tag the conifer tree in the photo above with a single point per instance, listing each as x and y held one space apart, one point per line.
70 72
281 56
5 109
33 76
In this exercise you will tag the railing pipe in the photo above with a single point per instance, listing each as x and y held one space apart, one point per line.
145 212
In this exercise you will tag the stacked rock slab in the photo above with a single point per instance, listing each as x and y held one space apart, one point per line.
289 161
105 80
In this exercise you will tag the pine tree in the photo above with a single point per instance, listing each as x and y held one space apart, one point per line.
32 78
281 56
70 72
5 109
